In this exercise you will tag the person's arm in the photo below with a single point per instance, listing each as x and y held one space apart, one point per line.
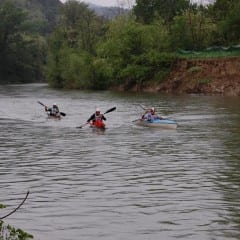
91 118
48 109
157 116
144 115
103 117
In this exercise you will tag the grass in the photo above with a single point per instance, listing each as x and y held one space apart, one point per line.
213 54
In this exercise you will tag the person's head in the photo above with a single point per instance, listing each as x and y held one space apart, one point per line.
98 111
152 110
55 105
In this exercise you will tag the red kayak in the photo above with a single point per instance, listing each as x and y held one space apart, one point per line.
98 124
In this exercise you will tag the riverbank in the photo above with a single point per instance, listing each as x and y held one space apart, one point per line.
201 76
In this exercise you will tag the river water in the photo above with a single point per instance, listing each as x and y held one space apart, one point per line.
128 182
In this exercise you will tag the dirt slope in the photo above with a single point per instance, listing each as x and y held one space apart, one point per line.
210 76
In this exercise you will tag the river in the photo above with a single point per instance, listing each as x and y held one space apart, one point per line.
127 182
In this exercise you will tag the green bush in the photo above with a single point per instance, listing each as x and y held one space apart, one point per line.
8 232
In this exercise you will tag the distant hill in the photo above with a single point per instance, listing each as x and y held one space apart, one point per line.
108 12
43 14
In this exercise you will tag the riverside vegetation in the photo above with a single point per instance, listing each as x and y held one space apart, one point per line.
73 47
8 232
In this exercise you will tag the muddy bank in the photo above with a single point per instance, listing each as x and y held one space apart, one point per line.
209 76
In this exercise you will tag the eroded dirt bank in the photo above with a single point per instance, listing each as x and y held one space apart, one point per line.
210 76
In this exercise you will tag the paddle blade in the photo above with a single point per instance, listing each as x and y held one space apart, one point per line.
110 110
41 103
63 114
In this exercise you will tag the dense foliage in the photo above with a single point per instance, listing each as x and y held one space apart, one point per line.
22 52
24 27
88 51
136 49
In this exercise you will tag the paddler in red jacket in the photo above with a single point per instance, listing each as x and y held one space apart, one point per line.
97 116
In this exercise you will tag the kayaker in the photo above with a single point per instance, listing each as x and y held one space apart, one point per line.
150 115
97 116
53 111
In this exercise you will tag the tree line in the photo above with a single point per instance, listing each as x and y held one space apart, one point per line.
86 51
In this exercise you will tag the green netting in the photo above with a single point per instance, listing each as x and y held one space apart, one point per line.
211 49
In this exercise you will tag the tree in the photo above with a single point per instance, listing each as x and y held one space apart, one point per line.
133 51
144 11
10 28
230 25
81 25
57 42
191 31
220 9
22 55
147 10
72 47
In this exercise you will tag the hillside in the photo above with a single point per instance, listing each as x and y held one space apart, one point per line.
43 14
108 12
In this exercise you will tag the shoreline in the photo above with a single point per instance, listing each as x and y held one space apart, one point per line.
214 76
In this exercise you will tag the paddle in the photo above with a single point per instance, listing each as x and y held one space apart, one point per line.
139 119
108 111
143 107
62 113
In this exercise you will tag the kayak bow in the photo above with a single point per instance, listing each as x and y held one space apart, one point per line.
157 123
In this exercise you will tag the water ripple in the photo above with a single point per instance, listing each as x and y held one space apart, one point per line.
127 182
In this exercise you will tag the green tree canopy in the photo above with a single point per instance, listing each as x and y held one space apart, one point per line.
147 10
230 26
21 53
191 31
72 47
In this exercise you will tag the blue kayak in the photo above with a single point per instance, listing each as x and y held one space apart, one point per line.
157 123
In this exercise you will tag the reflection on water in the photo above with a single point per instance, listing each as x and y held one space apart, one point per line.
126 182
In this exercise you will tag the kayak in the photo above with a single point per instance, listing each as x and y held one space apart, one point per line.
157 123
98 124
54 117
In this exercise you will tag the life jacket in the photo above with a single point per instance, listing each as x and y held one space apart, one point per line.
98 123
55 111
149 117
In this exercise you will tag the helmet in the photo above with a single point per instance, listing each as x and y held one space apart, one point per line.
152 109
97 110
54 104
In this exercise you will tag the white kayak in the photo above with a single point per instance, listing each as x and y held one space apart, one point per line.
157 123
